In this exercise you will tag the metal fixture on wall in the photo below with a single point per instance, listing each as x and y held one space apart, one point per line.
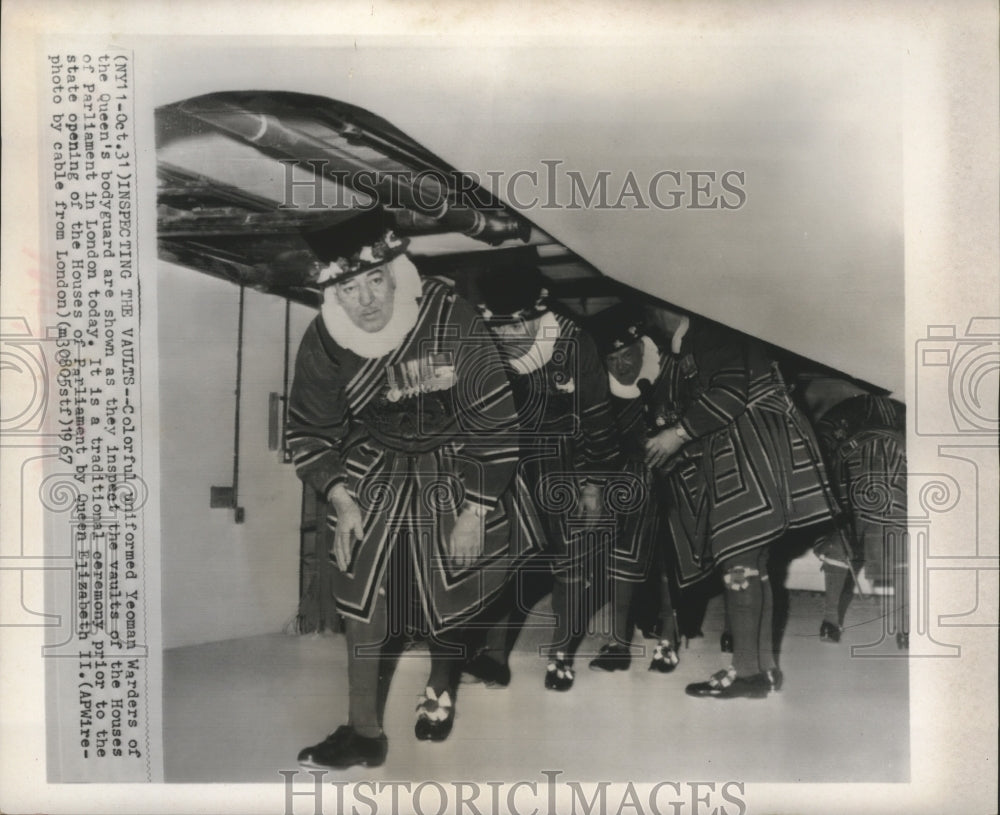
228 497
277 403
286 456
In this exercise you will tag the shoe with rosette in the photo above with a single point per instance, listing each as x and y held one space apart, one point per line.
435 716
726 684
665 658
559 673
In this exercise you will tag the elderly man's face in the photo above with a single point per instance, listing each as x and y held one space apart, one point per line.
368 298
517 336
625 363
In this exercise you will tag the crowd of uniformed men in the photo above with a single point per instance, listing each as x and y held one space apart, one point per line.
469 451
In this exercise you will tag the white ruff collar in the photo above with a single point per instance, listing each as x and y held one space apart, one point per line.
546 334
650 369
375 344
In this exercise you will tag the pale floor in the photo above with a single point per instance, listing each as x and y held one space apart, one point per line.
240 710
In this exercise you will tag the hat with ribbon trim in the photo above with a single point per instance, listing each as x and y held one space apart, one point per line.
366 258
354 247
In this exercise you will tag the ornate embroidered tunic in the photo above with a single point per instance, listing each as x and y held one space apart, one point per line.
633 496
414 435
567 436
864 441
753 469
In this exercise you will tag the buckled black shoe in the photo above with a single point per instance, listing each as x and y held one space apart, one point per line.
665 658
726 642
435 716
776 678
829 632
612 657
345 748
727 685
559 673
483 668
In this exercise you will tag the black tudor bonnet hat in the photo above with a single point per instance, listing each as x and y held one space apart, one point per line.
515 292
364 243
617 327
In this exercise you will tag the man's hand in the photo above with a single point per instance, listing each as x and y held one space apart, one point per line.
663 446
591 500
349 526
466 541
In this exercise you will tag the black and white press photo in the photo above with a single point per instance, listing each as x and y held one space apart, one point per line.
414 412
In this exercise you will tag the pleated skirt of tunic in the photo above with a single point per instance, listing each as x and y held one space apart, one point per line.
744 486
549 529
871 484
410 501
639 527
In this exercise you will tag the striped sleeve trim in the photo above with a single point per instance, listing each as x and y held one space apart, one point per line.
306 456
487 502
